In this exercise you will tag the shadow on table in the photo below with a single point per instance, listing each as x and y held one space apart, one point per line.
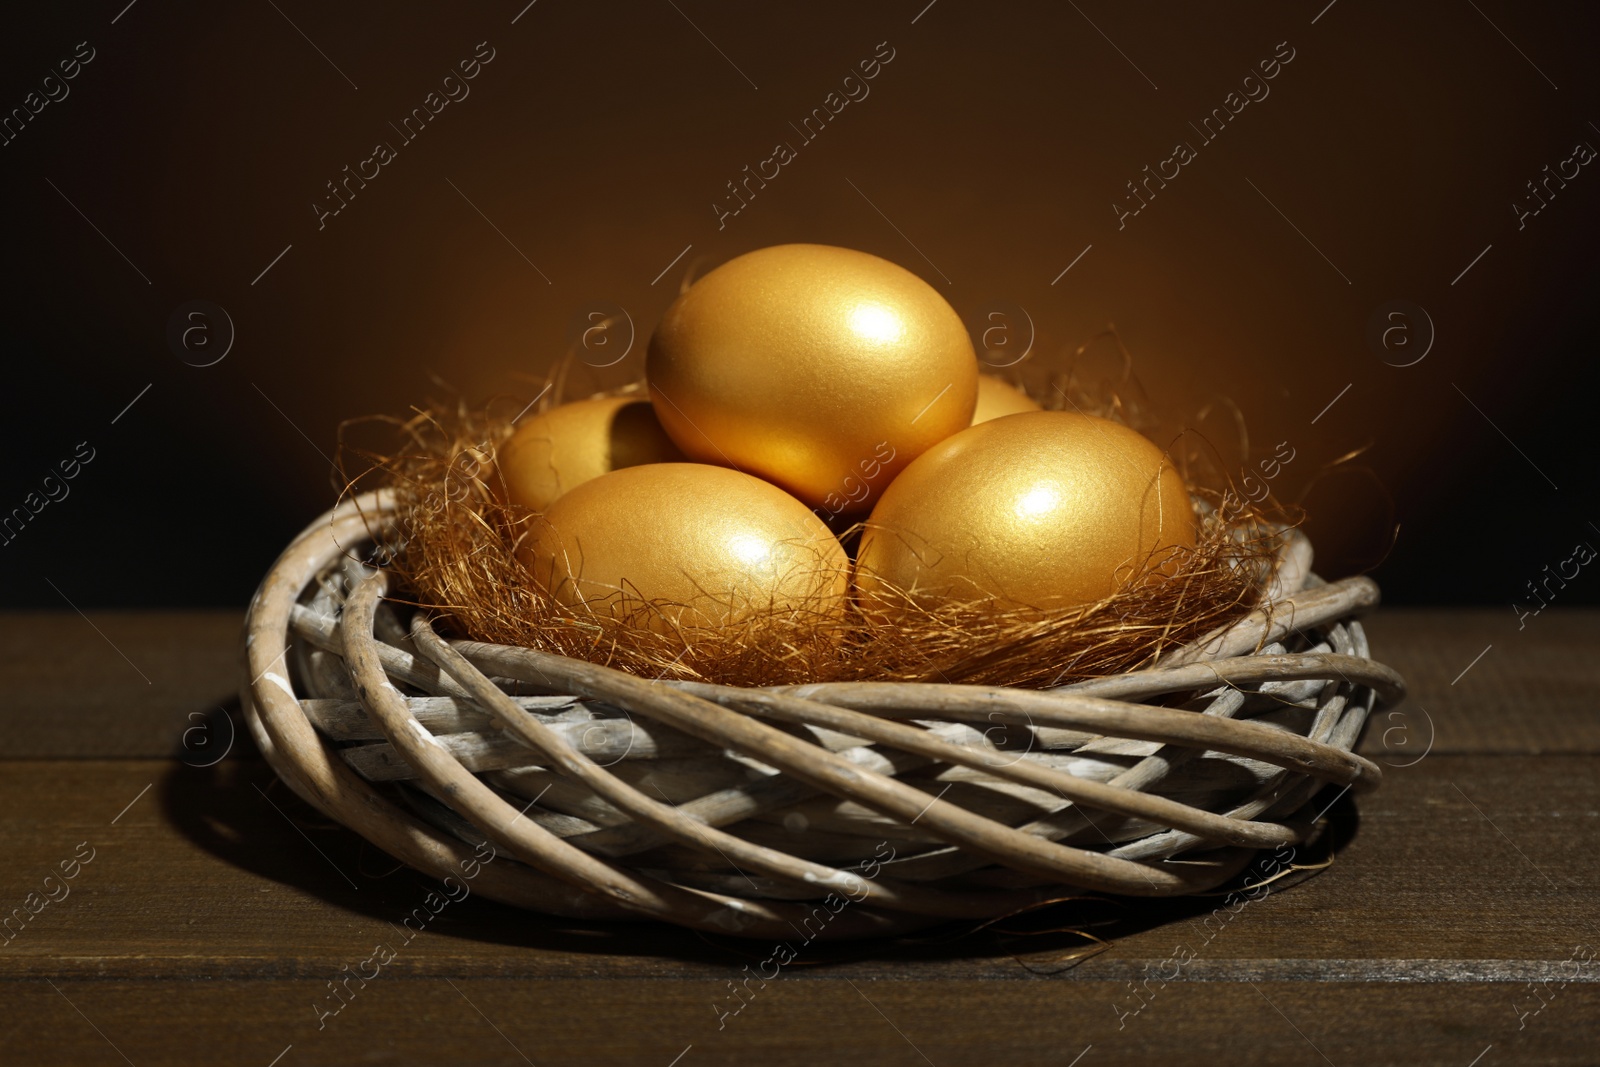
225 797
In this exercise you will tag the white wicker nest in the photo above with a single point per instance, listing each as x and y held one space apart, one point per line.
846 809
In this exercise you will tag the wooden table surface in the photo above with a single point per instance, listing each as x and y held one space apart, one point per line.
207 911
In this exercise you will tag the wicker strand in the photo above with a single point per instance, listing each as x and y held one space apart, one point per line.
524 839
562 757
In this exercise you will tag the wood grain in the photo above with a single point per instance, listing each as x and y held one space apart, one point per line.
793 1021
70 692
112 683
1534 689
217 907
219 873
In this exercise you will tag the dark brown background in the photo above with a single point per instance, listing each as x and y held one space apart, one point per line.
597 140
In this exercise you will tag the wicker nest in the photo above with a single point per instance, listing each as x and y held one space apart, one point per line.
839 810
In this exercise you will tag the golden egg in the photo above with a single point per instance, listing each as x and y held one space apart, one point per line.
821 369
1046 509
557 450
706 546
997 397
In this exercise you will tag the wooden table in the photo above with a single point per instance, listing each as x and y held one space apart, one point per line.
1458 923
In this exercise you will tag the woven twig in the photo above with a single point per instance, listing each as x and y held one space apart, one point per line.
755 811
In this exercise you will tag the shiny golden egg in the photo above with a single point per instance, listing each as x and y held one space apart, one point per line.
997 397
823 370
1045 509
686 545
557 450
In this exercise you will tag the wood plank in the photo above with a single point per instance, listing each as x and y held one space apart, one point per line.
217 873
76 686
212 917
1478 683
114 683
792 1021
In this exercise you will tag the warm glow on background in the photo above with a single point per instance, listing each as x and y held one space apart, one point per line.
1351 258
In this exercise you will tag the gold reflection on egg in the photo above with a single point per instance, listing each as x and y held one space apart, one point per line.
560 449
1045 509
821 369
997 398
686 544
